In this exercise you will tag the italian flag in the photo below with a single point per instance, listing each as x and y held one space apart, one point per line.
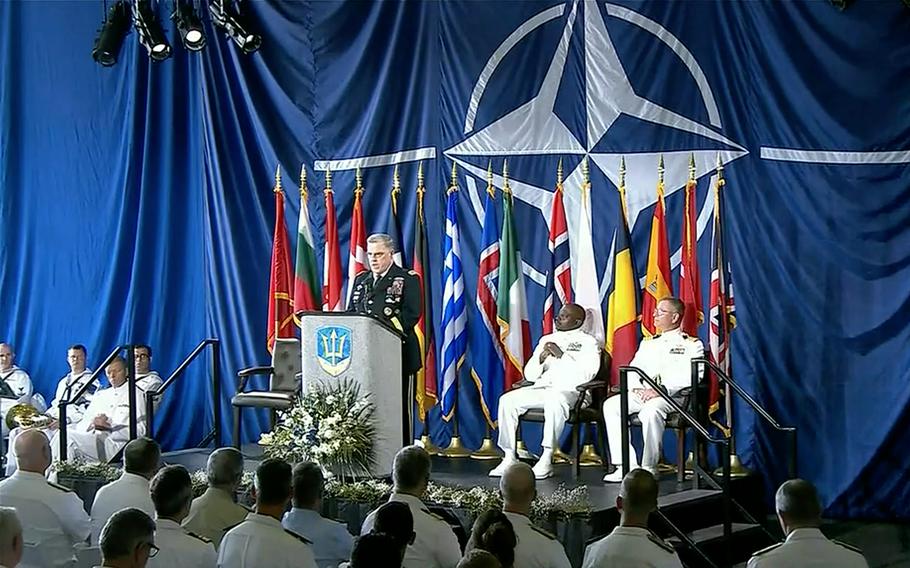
511 304
306 277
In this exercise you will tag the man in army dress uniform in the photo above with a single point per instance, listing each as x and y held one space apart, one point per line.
391 294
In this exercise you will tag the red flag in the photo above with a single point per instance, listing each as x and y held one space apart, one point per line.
425 391
689 280
357 258
331 262
281 309
657 280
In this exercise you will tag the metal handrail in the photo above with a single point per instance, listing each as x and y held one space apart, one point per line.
153 397
792 465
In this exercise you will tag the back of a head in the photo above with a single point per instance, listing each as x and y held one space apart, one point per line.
124 532
518 486
172 491
309 484
142 456
224 467
479 559
273 482
33 451
411 468
493 533
375 550
395 519
798 503
10 534
639 492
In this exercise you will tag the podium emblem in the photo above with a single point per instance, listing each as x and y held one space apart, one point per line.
333 349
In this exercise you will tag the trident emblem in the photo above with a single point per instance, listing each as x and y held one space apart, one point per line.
333 349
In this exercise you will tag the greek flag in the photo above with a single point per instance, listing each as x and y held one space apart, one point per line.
454 335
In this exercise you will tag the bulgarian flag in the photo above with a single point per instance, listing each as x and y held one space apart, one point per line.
306 279
657 280
331 262
511 303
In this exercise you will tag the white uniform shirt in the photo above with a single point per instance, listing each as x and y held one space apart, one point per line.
259 541
579 362
667 358
179 548
435 545
53 517
114 402
808 548
631 547
148 381
130 490
68 386
536 547
332 543
213 513
19 382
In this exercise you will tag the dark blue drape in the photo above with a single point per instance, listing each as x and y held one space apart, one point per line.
135 201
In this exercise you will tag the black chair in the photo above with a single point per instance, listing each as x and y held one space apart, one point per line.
677 423
284 384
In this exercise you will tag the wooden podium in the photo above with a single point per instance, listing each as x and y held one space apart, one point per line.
336 346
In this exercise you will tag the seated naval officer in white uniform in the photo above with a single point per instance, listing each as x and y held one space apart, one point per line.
799 511
53 517
67 386
215 512
11 544
632 544
536 548
435 544
146 379
128 539
15 386
666 358
141 460
561 361
104 427
172 493
332 543
260 540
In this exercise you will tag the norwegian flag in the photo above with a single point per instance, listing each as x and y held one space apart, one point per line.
723 309
559 277
357 258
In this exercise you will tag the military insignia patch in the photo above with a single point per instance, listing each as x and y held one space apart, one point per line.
333 349
397 287
387 311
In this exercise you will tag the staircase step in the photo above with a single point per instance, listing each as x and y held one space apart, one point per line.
716 532
745 539
687 497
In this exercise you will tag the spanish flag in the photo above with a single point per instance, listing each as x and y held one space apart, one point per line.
657 280
622 314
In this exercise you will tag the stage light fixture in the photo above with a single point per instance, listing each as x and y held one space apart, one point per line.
151 35
113 31
235 26
189 26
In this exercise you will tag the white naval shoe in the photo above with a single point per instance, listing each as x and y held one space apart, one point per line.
504 464
616 476
544 466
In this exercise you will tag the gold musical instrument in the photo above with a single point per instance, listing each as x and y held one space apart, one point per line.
24 415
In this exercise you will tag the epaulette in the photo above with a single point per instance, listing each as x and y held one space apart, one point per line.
653 336
767 549
60 487
847 546
244 507
413 273
544 532
361 273
661 542
200 537
685 336
304 540
434 515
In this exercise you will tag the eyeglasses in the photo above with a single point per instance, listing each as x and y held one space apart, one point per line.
153 550
142 356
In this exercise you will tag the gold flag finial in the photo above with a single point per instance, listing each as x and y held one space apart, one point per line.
559 175
660 169
358 181
453 182
277 179
586 170
420 176
506 188
720 171
328 180
622 173
396 181
491 189
691 166
304 191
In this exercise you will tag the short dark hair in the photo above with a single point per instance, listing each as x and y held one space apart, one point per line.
142 346
478 558
77 347
309 484
395 519
141 456
411 467
493 532
273 481
124 531
171 490
375 550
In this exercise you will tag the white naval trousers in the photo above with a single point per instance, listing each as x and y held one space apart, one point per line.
652 414
556 406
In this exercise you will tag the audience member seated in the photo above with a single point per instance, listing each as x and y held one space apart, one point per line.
395 520
435 545
53 518
632 544
799 511
10 538
479 559
141 459
15 385
536 547
493 533
172 493
128 540
216 511
332 543
562 360
260 540
104 427
375 550
67 386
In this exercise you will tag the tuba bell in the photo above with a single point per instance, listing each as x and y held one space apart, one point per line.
24 415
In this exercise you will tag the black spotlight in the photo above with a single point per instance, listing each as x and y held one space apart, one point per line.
235 26
113 31
189 26
151 36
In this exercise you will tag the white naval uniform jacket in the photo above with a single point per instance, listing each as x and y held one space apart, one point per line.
631 547
579 362
261 541
435 545
667 358
130 490
808 548
68 386
536 548
179 548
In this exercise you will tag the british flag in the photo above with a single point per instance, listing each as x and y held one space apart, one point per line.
559 277
723 309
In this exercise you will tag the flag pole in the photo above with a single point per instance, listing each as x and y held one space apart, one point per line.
276 190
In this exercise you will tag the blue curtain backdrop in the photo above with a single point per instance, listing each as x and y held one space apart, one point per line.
136 202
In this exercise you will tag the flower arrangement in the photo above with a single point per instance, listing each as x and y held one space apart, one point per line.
332 425
81 469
